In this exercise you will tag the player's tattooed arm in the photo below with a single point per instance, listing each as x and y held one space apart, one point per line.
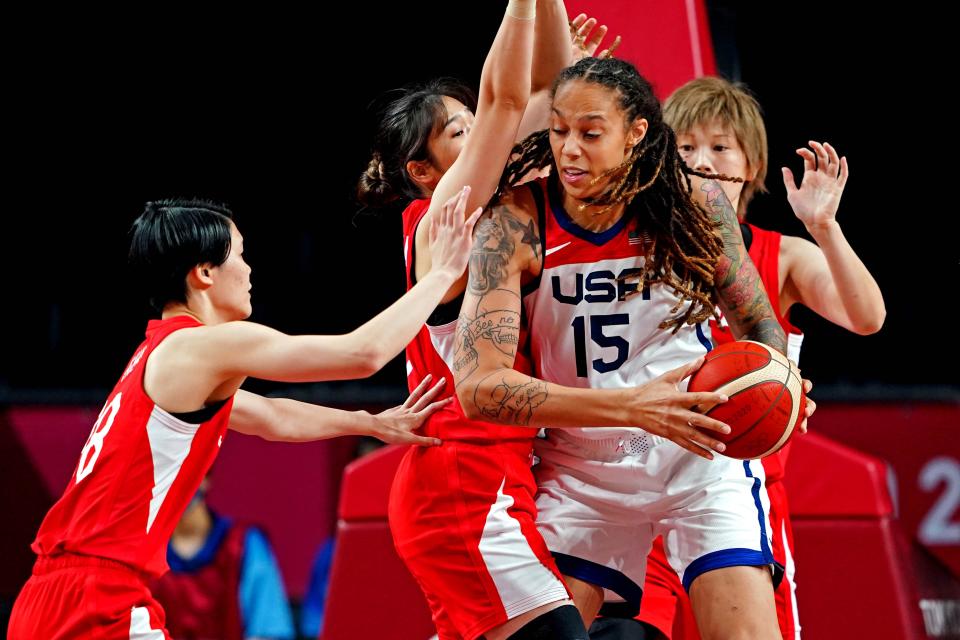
740 291
506 243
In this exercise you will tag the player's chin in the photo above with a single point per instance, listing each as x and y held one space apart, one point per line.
244 310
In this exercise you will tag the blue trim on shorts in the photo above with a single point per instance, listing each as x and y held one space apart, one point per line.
722 559
764 543
702 337
600 575
738 557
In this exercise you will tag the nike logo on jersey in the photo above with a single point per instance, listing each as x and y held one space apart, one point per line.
555 249
220 441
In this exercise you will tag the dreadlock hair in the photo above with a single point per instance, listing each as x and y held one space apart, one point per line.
404 128
173 236
684 240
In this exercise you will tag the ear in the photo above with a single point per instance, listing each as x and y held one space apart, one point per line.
751 173
637 131
200 277
423 173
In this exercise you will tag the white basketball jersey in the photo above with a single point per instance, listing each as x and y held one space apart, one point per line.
591 324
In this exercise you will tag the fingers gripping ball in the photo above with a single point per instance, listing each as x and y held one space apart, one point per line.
766 402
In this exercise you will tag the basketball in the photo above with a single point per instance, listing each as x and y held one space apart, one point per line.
766 400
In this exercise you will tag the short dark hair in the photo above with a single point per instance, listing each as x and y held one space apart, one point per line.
173 236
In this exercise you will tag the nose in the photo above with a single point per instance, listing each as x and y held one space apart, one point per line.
571 148
700 160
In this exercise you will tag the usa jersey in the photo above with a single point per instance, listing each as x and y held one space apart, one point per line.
137 472
432 352
595 325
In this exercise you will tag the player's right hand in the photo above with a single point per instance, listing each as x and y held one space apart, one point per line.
396 425
663 410
451 234
585 40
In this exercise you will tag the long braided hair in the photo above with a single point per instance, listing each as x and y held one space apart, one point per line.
684 242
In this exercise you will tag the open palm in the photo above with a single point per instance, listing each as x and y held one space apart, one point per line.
825 174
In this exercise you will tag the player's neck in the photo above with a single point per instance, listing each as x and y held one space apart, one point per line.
198 308
592 217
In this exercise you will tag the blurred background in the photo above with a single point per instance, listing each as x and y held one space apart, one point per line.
270 113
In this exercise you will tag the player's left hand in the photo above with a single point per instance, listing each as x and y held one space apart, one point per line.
825 174
399 423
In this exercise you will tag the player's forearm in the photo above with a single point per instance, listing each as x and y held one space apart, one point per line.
384 336
294 421
507 396
505 79
742 296
856 289
551 44
551 55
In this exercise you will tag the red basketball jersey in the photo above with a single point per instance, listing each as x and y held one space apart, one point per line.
765 253
438 337
137 472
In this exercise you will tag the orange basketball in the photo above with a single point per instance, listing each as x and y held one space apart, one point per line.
766 397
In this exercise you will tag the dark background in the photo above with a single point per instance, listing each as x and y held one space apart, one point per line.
269 113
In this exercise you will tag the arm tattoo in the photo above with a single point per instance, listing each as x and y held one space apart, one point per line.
494 246
488 330
737 281
501 328
509 399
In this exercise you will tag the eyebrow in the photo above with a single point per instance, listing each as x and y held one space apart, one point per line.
458 114
593 116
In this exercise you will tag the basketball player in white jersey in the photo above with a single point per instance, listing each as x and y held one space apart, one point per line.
620 271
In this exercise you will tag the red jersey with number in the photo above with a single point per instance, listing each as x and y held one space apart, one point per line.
137 472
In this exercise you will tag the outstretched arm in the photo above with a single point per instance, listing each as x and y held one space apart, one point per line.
506 245
285 420
828 277
195 366
244 348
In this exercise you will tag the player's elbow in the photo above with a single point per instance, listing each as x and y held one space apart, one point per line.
466 394
508 102
365 357
369 362
871 324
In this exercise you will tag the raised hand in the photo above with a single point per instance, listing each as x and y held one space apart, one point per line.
586 40
825 174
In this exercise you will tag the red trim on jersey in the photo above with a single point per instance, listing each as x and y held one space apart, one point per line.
137 472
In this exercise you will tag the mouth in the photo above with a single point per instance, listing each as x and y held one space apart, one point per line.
573 175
